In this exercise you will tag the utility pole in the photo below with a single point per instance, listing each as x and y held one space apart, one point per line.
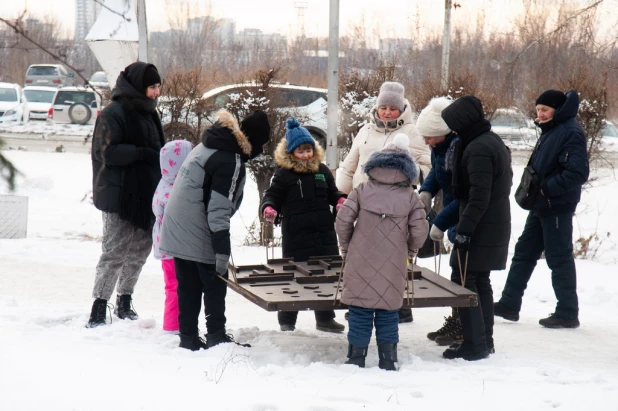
332 151
142 28
446 44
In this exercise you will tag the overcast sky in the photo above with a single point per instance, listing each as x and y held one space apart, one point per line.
396 18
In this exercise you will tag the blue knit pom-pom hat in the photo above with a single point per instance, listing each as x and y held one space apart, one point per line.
295 135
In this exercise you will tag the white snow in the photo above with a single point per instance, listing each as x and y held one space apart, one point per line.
48 360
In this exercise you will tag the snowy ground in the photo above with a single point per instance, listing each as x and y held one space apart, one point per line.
50 361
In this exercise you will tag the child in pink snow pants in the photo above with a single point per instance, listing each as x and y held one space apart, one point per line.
172 156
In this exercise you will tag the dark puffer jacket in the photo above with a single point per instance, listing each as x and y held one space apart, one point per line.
128 123
440 178
561 160
302 193
482 179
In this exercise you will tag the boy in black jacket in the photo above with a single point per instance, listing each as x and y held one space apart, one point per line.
301 193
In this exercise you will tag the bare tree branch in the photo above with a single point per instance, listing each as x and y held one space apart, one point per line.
123 14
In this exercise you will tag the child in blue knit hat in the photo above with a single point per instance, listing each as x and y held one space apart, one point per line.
299 197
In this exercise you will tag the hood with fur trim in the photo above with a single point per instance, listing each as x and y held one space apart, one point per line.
225 134
289 162
391 167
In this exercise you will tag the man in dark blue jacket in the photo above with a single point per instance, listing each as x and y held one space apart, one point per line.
561 161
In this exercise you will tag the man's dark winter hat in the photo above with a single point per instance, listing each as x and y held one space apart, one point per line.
296 135
257 129
151 77
551 98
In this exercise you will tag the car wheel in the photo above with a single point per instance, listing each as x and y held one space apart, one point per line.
79 113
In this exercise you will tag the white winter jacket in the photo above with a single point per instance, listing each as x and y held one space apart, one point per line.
372 138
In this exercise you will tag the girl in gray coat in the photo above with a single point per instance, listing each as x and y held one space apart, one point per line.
380 225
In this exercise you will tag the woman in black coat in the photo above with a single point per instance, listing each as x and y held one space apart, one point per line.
300 194
482 179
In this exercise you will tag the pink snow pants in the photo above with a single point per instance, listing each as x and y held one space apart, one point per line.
170 313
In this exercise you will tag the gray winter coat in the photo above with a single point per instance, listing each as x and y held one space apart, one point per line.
380 224
207 192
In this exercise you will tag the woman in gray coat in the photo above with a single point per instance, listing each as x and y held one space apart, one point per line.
381 223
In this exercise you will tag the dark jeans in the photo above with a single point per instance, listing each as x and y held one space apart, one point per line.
194 279
289 317
362 320
477 322
554 235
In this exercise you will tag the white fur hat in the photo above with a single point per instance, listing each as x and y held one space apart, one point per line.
400 142
429 122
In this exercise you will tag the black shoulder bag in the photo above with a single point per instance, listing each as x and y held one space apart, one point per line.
529 186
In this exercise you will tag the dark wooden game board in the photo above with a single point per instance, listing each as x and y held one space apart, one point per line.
285 285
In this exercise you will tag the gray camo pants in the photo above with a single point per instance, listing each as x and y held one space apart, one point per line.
125 250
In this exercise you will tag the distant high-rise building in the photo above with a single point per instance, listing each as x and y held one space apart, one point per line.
86 12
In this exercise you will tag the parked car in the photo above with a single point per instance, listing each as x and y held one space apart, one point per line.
307 103
11 102
77 105
99 81
55 75
37 102
513 126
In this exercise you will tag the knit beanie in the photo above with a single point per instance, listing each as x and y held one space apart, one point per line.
391 94
400 143
257 129
295 135
551 98
151 77
430 122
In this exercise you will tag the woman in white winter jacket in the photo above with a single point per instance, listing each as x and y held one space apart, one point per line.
390 116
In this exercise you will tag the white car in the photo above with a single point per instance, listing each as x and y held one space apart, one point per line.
77 105
609 130
37 102
307 103
513 126
11 102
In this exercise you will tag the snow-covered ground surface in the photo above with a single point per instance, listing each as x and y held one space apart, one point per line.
48 360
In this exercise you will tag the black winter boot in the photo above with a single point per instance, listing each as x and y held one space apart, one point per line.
192 342
387 353
501 310
449 324
556 321
330 326
466 352
405 315
357 355
220 337
98 313
452 335
124 309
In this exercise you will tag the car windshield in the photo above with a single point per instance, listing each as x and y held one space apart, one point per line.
39 96
609 130
70 97
43 71
509 120
8 94
280 97
99 78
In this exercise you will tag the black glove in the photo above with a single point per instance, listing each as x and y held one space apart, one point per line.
148 155
462 242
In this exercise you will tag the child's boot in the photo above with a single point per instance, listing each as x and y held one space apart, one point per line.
357 355
388 356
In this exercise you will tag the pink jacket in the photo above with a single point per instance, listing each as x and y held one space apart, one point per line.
380 224
172 156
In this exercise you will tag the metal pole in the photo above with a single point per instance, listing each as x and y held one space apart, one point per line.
142 27
332 153
446 44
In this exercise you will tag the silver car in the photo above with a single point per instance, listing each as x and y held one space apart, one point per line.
77 105
55 75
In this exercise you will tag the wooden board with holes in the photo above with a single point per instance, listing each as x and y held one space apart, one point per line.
285 285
